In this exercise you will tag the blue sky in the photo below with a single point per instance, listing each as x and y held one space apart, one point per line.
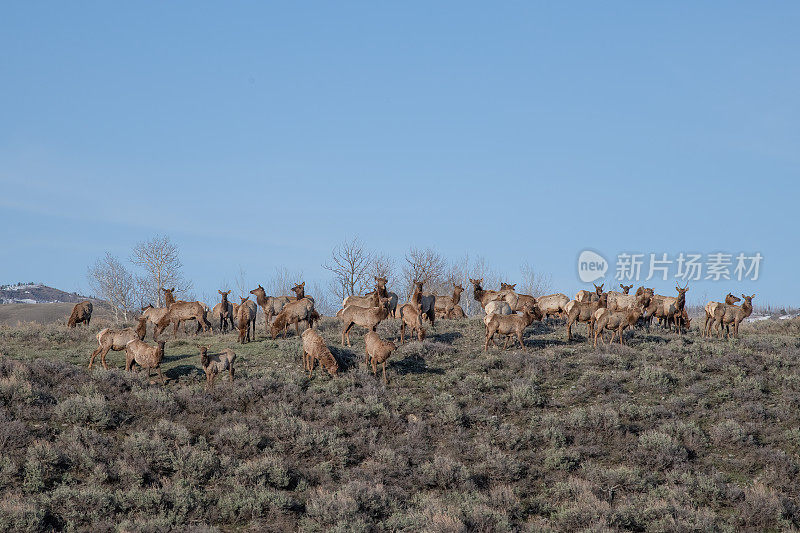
261 135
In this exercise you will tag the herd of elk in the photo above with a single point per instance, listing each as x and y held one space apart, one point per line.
507 313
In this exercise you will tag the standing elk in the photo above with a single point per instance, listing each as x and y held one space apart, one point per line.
270 305
733 315
425 302
616 321
710 310
589 296
81 312
223 311
378 351
315 349
584 311
179 312
445 305
367 317
216 364
117 339
507 325
411 317
296 312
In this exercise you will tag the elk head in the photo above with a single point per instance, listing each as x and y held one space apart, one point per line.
626 289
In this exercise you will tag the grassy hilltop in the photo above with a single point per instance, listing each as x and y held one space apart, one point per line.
668 433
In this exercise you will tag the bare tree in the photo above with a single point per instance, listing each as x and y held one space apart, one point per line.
243 287
110 280
282 281
162 266
535 283
427 266
382 266
351 266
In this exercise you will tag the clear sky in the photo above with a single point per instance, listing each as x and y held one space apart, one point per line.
262 134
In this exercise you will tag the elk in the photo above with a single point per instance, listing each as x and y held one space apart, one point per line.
481 295
223 311
295 312
618 301
710 309
116 339
300 292
154 316
458 312
145 356
314 348
507 325
216 364
410 316
444 305
589 296
81 312
425 302
733 314
616 321
552 304
179 312
378 351
367 317
678 311
169 296
498 307
380 287
625 288
246 319
578 311
270 305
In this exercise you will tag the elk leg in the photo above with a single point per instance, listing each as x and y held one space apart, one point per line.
519 338
94 354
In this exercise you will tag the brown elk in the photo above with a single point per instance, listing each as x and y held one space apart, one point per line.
578 311
81 312
444 305
507 325
246 319
270 305
411 317
677 311
481 295
625 288
710 309
216 364
367 317
145 356
733 315
552 304
425 302
224 312
314 349
296 312
383 292
616 321
117 339
378 351
179 312
589 296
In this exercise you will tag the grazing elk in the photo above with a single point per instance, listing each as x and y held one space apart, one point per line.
117 339
314 349
733 315
444 305
378 351
145 356
81 312
216 364
507 325
710 310
270 305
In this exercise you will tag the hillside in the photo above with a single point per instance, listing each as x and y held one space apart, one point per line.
36 293
668 433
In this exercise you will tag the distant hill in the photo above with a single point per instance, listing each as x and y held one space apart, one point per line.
37 293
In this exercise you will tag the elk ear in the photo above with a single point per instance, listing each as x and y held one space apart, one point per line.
753 296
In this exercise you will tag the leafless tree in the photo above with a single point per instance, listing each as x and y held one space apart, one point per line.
282 282
535 283
241 283
382 266
351 266
427 266
162 266
112 282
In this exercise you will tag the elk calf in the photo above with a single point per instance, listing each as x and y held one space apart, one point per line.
616 321
216 364
378 351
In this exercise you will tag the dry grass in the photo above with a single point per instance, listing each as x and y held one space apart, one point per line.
667 433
